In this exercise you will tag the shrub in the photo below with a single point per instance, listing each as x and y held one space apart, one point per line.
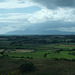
27 67
45 55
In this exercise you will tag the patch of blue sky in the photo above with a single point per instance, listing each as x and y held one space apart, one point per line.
28 10
21 2
2 0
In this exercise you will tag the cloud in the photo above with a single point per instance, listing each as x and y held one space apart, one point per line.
8 4
45 15
41 16
6 29
53 4
45 18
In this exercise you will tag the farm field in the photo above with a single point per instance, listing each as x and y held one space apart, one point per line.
49 53
41 54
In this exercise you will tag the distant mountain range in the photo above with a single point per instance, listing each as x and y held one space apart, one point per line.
39 32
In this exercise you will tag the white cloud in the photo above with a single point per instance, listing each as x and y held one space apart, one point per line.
6 29
44 15
61 14
15 21
16 4
21 20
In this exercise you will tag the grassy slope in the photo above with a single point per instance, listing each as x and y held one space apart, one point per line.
44 67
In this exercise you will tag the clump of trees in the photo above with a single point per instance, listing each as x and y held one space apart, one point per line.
27 67
46 54
3 54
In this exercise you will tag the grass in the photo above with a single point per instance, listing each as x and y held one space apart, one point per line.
27 54
40 54
44 67
62 54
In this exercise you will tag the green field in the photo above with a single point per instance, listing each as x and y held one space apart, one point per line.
40 54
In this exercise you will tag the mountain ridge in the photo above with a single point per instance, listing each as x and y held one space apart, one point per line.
39 32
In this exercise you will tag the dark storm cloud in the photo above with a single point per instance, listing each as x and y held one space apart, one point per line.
47 25
66 3
52 4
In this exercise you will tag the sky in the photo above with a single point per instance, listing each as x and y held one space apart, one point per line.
37 15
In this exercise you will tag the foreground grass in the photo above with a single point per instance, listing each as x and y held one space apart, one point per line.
44 67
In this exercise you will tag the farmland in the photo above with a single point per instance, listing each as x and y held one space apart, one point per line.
47 52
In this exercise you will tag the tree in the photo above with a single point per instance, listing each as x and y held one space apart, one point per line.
27 67
45 55
2 53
